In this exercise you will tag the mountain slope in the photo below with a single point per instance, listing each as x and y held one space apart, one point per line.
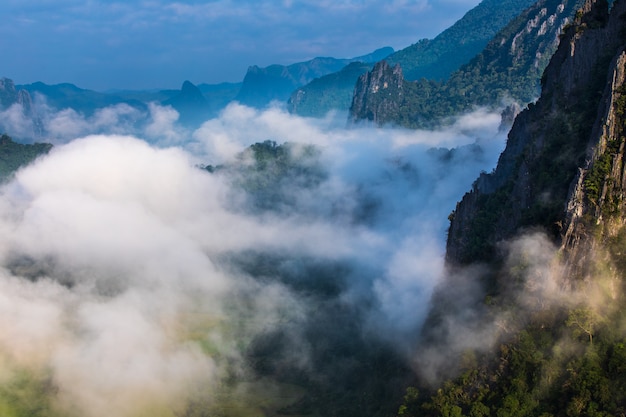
219 95
433 59
330 92
16 155
508 69
436 59
66 95
276 82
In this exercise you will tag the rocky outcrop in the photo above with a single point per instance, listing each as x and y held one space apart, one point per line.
562 169
378 94
10 96
596 208
8 93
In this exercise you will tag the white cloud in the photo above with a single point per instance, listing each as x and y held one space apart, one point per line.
117 254
161 377
13 120
162 126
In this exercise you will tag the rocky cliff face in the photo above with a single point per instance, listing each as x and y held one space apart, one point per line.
562 175
562 169
509 68
596 208
378 94
10 96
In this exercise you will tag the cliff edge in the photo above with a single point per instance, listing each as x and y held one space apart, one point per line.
562 170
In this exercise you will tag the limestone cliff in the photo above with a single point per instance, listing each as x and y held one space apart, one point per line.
596 208
547 317
562 169
378 93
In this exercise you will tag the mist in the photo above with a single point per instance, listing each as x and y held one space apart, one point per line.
135 281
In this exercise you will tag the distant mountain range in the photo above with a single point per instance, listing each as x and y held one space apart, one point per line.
495 53
195 104
68 95
277 82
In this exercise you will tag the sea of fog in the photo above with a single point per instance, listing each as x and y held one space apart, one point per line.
134 281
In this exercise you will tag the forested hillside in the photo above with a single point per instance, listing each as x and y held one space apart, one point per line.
436 59
15 155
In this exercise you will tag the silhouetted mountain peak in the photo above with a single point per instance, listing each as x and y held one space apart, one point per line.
189 88
190 104
189 94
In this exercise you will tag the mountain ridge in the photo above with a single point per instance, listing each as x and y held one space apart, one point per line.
508 70
433 59
277 82
436 59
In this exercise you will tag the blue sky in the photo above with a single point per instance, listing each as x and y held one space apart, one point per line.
158 44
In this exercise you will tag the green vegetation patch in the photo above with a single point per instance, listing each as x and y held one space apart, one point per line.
15 155
27 394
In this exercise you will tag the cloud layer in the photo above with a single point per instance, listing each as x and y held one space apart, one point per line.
136 281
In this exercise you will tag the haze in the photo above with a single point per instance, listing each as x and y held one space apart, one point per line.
105 45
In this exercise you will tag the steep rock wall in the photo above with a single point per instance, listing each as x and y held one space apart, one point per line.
596 208
562 169
378 93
